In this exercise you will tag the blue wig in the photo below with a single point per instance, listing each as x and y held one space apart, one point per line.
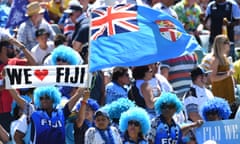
66 53
168 98
91 103
50 91
137 114
119 106
218 105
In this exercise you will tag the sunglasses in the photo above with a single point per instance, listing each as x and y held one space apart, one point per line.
133 122
61 60
150 71
165 106
44 98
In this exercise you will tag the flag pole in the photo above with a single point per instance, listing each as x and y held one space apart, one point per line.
90 76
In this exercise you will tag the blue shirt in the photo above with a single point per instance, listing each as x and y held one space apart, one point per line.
115 91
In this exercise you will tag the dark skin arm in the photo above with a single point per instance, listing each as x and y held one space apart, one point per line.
4 137
81 114
18 137
27 53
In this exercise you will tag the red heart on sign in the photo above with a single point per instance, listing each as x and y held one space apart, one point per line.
41 74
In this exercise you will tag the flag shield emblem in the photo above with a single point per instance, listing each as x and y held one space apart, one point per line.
168 30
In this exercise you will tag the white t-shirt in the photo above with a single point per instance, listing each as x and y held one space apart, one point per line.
92 136
39 53
193 103
20 125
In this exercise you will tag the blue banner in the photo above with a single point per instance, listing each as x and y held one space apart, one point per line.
130 35
223 132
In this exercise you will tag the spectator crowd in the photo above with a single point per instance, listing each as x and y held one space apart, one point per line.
160 103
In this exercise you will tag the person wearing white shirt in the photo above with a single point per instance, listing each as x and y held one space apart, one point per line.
43 48
197 95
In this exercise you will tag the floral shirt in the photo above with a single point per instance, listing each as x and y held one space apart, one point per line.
189 16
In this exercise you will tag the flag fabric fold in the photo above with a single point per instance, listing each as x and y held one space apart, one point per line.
131 35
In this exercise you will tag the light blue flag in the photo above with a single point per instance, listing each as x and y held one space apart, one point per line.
130 35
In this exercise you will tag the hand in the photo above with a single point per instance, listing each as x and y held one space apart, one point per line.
198 123
86 95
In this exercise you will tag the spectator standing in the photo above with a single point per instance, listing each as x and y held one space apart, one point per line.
145 98
43 48
102 132
216 11
135 124
222 76
117 88
197 95
27 30
84 119
5 97
177 69
74 11
188 12
216 109
47 122
163 127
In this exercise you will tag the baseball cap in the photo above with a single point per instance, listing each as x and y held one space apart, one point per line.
199 71
101 113
40 32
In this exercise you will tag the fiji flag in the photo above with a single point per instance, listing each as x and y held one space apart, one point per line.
17 13
131 35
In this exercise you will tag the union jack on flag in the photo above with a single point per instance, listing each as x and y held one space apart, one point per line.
108 21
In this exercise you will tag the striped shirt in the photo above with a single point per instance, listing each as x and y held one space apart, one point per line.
179 72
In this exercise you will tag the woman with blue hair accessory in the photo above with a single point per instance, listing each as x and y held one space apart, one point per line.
163 127
47 124
134 123
64 55
216 109
116 108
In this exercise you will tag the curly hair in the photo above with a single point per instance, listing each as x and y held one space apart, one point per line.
216 105
139 72
66 53
116 108
137 114
167 98
50 91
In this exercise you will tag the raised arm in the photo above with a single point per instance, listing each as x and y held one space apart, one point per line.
20 101
81 114
79 93
27 53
